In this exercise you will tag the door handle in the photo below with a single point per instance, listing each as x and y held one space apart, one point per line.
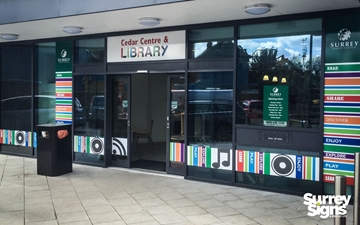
167 125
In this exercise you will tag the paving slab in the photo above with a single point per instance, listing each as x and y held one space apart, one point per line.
114 196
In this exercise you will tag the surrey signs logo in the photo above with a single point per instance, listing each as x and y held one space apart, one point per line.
344 36
326 206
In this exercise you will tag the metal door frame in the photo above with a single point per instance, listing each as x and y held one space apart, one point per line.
109 121
170 170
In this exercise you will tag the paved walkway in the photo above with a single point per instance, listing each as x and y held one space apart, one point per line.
92 195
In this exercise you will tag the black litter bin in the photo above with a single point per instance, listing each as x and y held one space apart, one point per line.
54 152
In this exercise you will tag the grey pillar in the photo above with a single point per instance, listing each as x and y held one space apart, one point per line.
340 189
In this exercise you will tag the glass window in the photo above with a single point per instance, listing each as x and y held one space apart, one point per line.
44 101
15 92
210 107
279 73
211 43
209 124
89 106
15 95
90 50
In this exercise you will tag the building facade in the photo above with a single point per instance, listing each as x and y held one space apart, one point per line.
270 103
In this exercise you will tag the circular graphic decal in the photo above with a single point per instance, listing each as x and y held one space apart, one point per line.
97 145
282 165
118 148
19 138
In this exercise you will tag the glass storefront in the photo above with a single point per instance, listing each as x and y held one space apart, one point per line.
209 124
264 80
286 56
279 87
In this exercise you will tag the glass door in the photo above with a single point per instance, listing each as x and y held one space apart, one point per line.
120 120
175 125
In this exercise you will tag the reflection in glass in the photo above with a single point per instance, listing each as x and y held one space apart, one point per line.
211 43
209 124
15 94
89 118
289 55
90 50
44 101
210 107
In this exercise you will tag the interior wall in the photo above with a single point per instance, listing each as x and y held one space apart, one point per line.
139 101
148 101
157 105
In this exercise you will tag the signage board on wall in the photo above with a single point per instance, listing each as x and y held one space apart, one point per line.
276 101
341 97
146 47
63 84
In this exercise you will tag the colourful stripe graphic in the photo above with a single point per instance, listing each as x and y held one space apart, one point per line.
341 120
89 145
17 137
177 152
291 166
342 81
342 67
207 157
63 88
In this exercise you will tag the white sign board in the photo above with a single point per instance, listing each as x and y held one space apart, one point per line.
146 47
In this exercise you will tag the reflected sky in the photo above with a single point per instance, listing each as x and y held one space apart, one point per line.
289 46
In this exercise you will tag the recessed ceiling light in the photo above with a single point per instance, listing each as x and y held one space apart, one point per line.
149 21
72 29
257 9
9 36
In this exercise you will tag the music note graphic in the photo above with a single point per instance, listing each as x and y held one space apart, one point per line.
226 162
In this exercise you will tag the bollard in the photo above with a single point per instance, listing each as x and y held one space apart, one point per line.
340 189
357 189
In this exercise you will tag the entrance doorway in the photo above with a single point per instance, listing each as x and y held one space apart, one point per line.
146 121
151 112
148 124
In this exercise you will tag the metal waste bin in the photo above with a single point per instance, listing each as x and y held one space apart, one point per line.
54 152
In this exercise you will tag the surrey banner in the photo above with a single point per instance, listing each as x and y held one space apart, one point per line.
341 97
63 84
